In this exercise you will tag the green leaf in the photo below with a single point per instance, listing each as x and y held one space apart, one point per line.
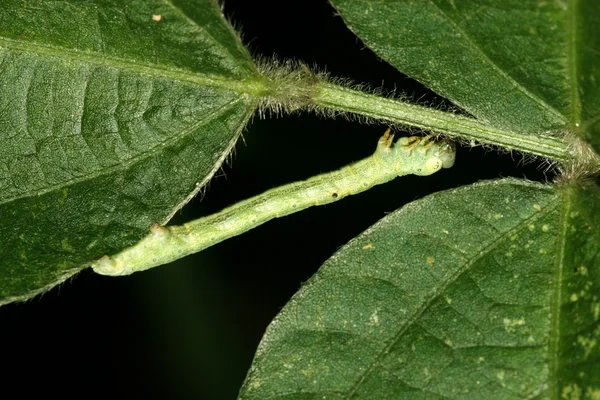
486 292
112 116
524 65
585 69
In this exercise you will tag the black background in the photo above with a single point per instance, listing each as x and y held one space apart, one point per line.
190 329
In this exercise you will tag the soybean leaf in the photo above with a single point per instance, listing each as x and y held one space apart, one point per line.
112 116
525 65
488 291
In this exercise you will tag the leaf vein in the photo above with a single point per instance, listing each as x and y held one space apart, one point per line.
126 163
572 60
436 291
93 58
556 296
540 102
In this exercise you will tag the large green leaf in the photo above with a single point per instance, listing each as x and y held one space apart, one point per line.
112 115
486 292
526 65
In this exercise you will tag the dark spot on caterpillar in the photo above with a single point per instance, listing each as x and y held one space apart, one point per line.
334 195
365 184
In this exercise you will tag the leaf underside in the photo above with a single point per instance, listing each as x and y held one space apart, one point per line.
487 291
112 115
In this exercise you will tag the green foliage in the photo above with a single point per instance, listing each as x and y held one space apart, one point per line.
110 121
113 114
499 60
479 292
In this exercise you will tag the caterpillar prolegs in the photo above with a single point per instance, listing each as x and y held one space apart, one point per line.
409 155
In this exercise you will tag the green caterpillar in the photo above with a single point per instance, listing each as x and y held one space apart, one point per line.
410 155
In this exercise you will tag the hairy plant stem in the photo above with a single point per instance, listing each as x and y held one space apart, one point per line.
339 98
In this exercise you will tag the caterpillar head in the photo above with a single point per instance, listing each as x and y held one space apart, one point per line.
436 155
447 153
414 155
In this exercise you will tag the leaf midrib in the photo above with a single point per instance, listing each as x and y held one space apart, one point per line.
572 51
253 85
440 289
556 298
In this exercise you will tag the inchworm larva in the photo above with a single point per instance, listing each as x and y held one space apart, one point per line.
410 155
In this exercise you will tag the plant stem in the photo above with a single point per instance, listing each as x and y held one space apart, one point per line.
335 97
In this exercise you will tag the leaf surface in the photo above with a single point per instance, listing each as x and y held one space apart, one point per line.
486 292
524 65
112 116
